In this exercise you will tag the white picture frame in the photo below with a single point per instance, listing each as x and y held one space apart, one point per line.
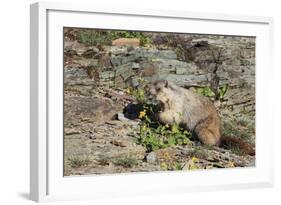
46 73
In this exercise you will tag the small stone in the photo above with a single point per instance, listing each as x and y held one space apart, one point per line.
151 157
134 81
117 50
120 143
217 103
135 65
121 117
101 146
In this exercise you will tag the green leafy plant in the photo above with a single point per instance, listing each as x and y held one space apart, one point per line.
205 91
103 37
208 92
155 136
138 94
177 166
94 37
171 166
222 91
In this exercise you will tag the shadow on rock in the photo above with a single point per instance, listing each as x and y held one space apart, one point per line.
132 111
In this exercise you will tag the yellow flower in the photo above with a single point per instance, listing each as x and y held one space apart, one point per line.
194 159
142 114
166 155
128 91
191 164
143 128
231 164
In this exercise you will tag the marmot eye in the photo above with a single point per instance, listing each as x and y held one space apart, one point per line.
158 89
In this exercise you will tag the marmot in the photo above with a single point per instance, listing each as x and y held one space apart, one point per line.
193 112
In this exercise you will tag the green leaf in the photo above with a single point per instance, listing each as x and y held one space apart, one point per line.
205 91
223 90
175 128
171 141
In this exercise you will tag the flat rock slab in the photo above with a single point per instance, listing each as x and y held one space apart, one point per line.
106 147
98 109
126 41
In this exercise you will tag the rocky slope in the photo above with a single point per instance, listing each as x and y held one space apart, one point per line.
99 139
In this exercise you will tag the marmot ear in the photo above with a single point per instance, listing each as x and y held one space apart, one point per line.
166 83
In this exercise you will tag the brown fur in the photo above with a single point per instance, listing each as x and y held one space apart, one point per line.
194 112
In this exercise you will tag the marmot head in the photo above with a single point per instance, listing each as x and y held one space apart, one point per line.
160 90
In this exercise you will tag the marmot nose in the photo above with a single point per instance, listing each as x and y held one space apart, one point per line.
147 87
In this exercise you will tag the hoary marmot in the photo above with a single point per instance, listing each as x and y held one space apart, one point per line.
193 112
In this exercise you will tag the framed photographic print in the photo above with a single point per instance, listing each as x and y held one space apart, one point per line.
127 102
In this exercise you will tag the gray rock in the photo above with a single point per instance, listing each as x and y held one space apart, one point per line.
152 53
118 50
187 68
125 71
151 157
134 82
116 61
80 48
184 80
165 66
145 54
75 72
99 109
107 75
